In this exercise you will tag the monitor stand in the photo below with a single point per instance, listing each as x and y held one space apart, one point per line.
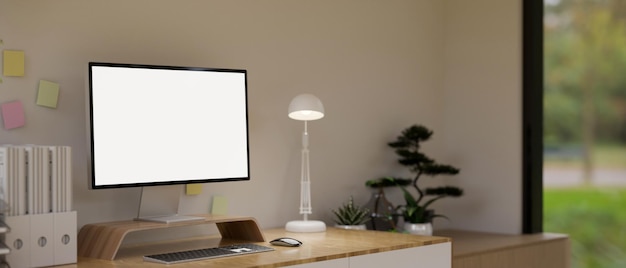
160 204
104 240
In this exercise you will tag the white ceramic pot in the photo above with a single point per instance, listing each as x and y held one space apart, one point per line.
351 227
419 228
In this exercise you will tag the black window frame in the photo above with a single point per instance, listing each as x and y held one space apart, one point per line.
532 116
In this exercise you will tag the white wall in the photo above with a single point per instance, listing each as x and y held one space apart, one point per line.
483 112
378 66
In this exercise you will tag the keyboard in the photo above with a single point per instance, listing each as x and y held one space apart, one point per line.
205 253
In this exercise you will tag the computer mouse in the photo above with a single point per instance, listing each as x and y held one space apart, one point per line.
286 242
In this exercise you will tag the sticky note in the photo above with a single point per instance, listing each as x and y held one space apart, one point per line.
48 94
13 114
220 206
13 63
193 189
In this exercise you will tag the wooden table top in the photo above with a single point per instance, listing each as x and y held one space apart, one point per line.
467 243
332 244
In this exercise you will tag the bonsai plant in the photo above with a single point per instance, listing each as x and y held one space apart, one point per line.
383 182
351 216
407 147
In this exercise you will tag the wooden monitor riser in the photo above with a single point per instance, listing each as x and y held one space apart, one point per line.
103 240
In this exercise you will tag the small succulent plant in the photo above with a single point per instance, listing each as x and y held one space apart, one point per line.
351 214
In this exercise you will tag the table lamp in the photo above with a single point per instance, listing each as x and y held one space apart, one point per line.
305 107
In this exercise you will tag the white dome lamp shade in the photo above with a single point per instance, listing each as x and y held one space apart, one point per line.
306 107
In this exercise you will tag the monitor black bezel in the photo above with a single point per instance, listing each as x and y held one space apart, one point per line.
92 180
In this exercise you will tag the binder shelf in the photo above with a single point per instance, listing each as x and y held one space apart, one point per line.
41 240
103 240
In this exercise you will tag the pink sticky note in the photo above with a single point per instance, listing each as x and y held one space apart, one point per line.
13 114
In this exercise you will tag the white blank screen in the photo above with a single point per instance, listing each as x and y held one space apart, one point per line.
164 125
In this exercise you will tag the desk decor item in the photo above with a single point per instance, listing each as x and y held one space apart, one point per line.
383 215
416 208
305 107
351 216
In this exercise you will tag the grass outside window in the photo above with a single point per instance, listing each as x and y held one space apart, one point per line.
595 220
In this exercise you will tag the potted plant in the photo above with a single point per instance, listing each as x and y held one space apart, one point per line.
351 216
416 209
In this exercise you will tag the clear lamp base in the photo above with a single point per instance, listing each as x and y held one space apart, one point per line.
305 226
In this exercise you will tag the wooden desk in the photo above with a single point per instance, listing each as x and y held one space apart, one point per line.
485 250
333 248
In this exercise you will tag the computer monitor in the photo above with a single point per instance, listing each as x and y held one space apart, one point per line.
152 125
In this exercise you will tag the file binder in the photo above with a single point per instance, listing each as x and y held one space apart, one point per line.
41 240
4 173
65 246
30 169
20 182
18 241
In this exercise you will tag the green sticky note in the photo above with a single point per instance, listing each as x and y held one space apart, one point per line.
220 206
48 94
13 63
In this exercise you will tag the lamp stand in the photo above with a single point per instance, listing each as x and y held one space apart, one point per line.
305 225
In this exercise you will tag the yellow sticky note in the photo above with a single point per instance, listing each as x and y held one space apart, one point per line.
13 63
220 206
193 189
48 94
